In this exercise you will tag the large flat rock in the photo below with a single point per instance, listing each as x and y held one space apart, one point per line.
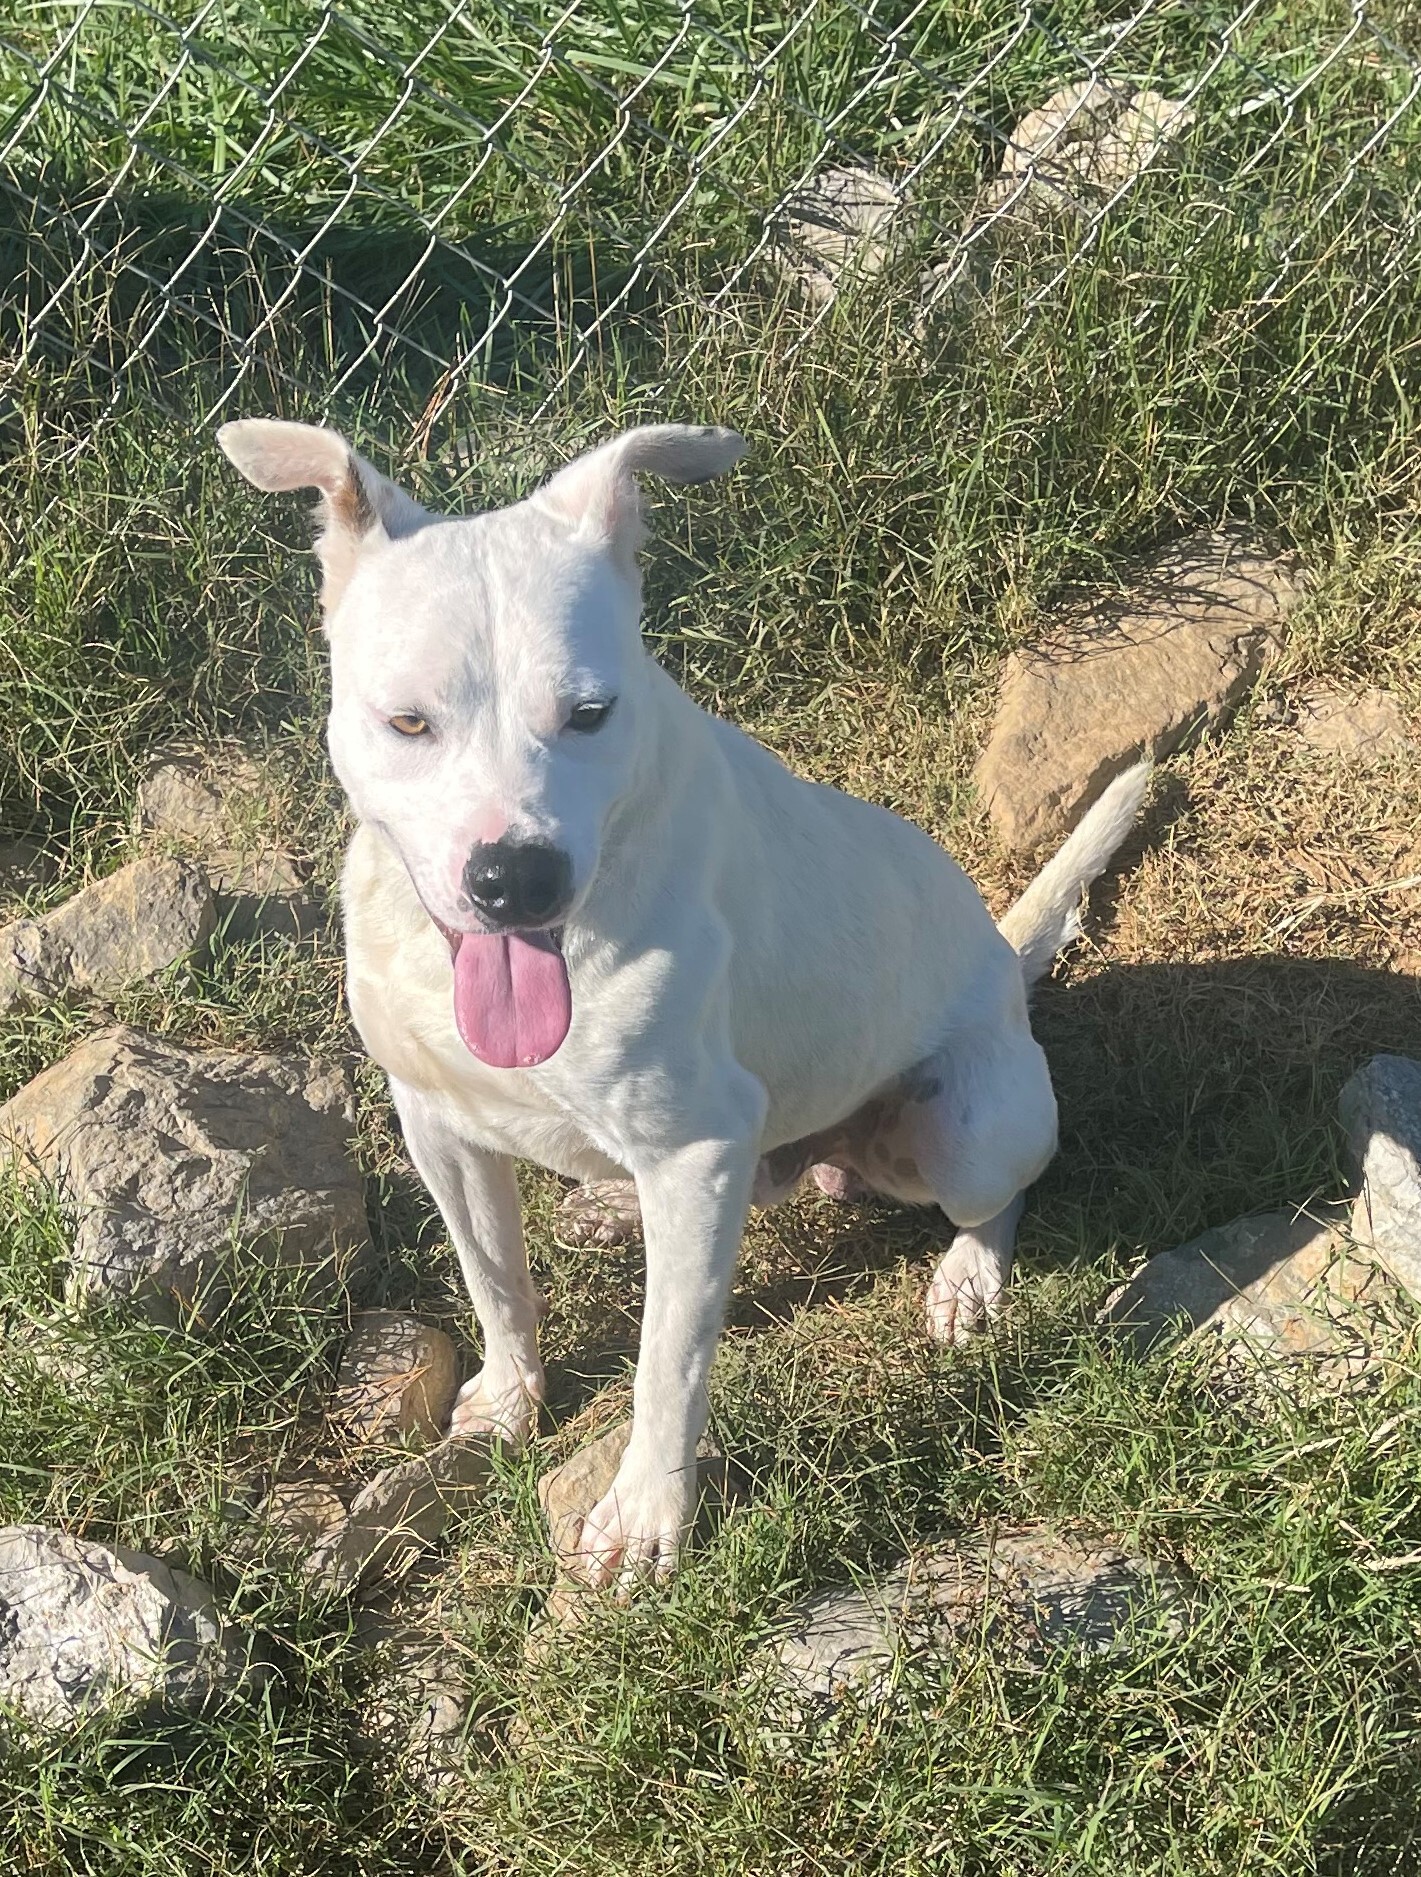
1031 1589
129 926
167 1154
1275 1284
213 801
1136 674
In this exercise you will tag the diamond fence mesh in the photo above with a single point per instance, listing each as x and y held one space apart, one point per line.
468 211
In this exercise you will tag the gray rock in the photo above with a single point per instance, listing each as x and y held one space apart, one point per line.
398 1377
1131 676
1357 726
400 1512
1034 1589
129 926
211 801
166 1155
1276 1284
601 1212
1380 1111
88 1629
840 225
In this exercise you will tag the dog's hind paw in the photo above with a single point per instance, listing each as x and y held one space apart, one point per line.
604 1212
965 1292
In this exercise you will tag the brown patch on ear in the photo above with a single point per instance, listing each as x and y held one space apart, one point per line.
349 506
357 502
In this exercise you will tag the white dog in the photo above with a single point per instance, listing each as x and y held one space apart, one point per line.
591 926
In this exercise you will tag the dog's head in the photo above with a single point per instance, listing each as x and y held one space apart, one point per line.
487 675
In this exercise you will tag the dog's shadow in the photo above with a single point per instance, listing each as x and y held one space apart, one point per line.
1189 1094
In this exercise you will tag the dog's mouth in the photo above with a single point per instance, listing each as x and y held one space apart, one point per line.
512 998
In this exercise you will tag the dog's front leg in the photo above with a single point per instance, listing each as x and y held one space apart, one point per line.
477 1195
693 1204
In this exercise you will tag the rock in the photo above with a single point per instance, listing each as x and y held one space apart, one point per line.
302 1513
421 1698
1086 142
131 925
1132 675
1278 1283
1032 1588
1380 1111
166 1153
399 1512
1361 726
88 1628
840 225
209 801
24 867
398 1376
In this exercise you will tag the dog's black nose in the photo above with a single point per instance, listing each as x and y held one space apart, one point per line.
514 883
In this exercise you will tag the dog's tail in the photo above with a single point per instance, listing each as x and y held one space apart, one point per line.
1047 916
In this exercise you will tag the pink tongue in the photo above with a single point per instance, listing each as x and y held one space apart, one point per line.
512 1000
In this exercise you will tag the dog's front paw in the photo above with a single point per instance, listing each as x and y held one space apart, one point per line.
604 1212
640 1528
966 1290
501 1408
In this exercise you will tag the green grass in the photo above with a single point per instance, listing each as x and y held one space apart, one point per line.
1239 338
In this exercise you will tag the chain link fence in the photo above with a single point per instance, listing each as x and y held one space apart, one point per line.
456 203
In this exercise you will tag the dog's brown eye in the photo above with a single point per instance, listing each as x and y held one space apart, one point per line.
590 715
408 724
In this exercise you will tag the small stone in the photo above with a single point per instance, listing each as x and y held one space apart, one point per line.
398 1376
400 1512
1130 676
25 867
839 226
1031 1588
210 800
1360 726
570 1491
129 926
1380 1111
166 1154
91 1629
1275 1284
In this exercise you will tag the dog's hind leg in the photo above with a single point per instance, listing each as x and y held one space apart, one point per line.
966 1288
969 1130
477 1195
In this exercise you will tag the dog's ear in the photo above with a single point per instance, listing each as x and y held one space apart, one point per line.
358 505
597 494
